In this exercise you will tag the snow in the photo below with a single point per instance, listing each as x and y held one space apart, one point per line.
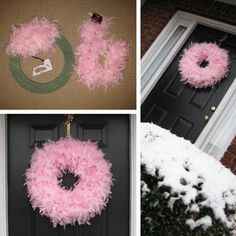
184 166
145 188
205 222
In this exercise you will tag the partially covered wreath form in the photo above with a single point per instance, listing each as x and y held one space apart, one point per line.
99 60
90 195
198 75
30 38
34 36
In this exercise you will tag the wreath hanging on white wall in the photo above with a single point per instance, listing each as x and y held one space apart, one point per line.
204 64
90 193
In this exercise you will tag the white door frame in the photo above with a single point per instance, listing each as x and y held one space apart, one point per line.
4 186
134 183
222 122
3 177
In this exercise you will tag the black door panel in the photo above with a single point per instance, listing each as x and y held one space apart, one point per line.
180 108
112 134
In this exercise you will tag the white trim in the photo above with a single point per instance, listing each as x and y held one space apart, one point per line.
159 72
224 112
133 178
221 129
48 111
3 177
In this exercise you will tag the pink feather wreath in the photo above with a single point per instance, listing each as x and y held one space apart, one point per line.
198 75
34 36
100 60
90 194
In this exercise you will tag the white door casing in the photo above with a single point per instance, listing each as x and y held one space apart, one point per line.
134 165
134 183
221 128
3 177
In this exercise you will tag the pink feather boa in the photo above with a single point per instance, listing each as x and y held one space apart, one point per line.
202 77
95 46
89 196
36 35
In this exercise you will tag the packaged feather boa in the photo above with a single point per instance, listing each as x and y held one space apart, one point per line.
99 60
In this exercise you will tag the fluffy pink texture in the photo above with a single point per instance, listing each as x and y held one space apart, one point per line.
100 60
89 196
202 77
36 35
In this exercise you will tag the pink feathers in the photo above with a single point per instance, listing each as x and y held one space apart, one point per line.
89 196
200 76
100 61
36 35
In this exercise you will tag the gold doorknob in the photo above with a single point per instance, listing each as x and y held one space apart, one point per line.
213 108
206 118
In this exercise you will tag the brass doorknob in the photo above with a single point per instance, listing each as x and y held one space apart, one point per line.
206 118
213 108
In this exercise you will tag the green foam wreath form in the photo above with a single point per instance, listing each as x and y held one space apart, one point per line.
42 88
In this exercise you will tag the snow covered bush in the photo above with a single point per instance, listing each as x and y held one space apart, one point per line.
184 191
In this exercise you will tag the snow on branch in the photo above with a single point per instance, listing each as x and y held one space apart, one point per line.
189 172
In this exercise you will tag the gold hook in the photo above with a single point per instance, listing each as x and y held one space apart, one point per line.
67 123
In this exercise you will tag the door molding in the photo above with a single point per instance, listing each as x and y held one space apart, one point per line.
134 183
4 185
179 29
3 176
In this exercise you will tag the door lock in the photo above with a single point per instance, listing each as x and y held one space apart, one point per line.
213 108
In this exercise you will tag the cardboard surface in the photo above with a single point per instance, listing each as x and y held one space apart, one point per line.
74 95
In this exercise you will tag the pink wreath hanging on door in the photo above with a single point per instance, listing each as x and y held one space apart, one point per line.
90 193
204 64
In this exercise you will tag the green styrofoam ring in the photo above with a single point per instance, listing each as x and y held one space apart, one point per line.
60 81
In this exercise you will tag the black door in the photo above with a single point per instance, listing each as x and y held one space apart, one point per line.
112 133
182 109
